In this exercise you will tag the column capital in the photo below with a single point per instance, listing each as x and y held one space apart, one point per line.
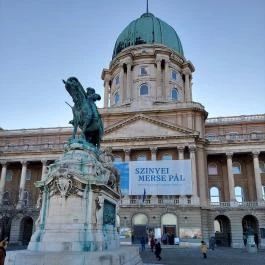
44 161
186 71
192 148
153 149
181 148
229 154
3 162
255 154
127 150
24 162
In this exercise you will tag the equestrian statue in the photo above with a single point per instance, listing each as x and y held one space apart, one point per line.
85 112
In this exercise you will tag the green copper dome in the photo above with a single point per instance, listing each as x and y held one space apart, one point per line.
148 29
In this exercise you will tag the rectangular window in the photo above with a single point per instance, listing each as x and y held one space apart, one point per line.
28 174
143 70
263 192
117 80
9 175
174 75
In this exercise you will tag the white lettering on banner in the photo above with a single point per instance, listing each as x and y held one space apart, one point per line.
163 177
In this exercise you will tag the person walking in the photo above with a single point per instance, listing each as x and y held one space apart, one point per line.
152 244
142 241
204 249
158 249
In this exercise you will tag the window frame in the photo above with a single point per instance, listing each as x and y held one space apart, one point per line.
138 158
169 157
216 167
234 170
175 89
143 70
116 94
117 80
140 92
239 196
214 199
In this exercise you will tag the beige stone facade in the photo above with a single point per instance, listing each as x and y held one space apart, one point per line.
149 113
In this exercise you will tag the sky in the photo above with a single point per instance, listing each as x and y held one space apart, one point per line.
43 42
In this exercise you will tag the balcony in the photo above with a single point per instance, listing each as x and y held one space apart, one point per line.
235 119
231 138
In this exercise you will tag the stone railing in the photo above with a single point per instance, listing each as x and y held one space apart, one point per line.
31 147
232 119
245 204
236 137
154 200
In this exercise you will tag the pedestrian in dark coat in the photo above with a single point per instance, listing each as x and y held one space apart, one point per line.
158 249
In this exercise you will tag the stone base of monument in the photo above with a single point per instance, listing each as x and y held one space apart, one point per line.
79 205
121 256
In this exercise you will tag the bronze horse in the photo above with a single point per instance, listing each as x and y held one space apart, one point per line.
85 112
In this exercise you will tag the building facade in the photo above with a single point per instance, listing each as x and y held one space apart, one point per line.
149 115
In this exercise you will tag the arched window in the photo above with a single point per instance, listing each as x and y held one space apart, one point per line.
174 94
212 169
141 158
143 90
116 98
236 168
117 158
167 157
214 195
239 194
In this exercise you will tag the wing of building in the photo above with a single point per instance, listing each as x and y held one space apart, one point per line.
182 175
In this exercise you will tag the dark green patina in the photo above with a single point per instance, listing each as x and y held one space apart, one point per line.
85 112
148 29
109 213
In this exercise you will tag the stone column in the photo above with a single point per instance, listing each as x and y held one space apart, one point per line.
121 84
158 79
187 93
129 85
153 153
193 170
127 152
44 169
3 180
166 81
181 152
257 175
231 182
106 91
22 184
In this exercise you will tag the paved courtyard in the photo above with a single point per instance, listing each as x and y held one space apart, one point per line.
192 256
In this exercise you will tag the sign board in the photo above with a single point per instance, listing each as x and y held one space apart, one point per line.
162 177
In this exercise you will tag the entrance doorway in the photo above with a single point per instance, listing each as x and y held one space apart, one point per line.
139 222
169 228
26 230
222 228
250 225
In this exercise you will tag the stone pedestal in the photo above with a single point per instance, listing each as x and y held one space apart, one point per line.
79 205
121 256
251 246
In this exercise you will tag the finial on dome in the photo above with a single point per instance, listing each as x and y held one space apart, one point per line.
147 6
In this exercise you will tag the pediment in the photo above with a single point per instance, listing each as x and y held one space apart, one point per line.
143 126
